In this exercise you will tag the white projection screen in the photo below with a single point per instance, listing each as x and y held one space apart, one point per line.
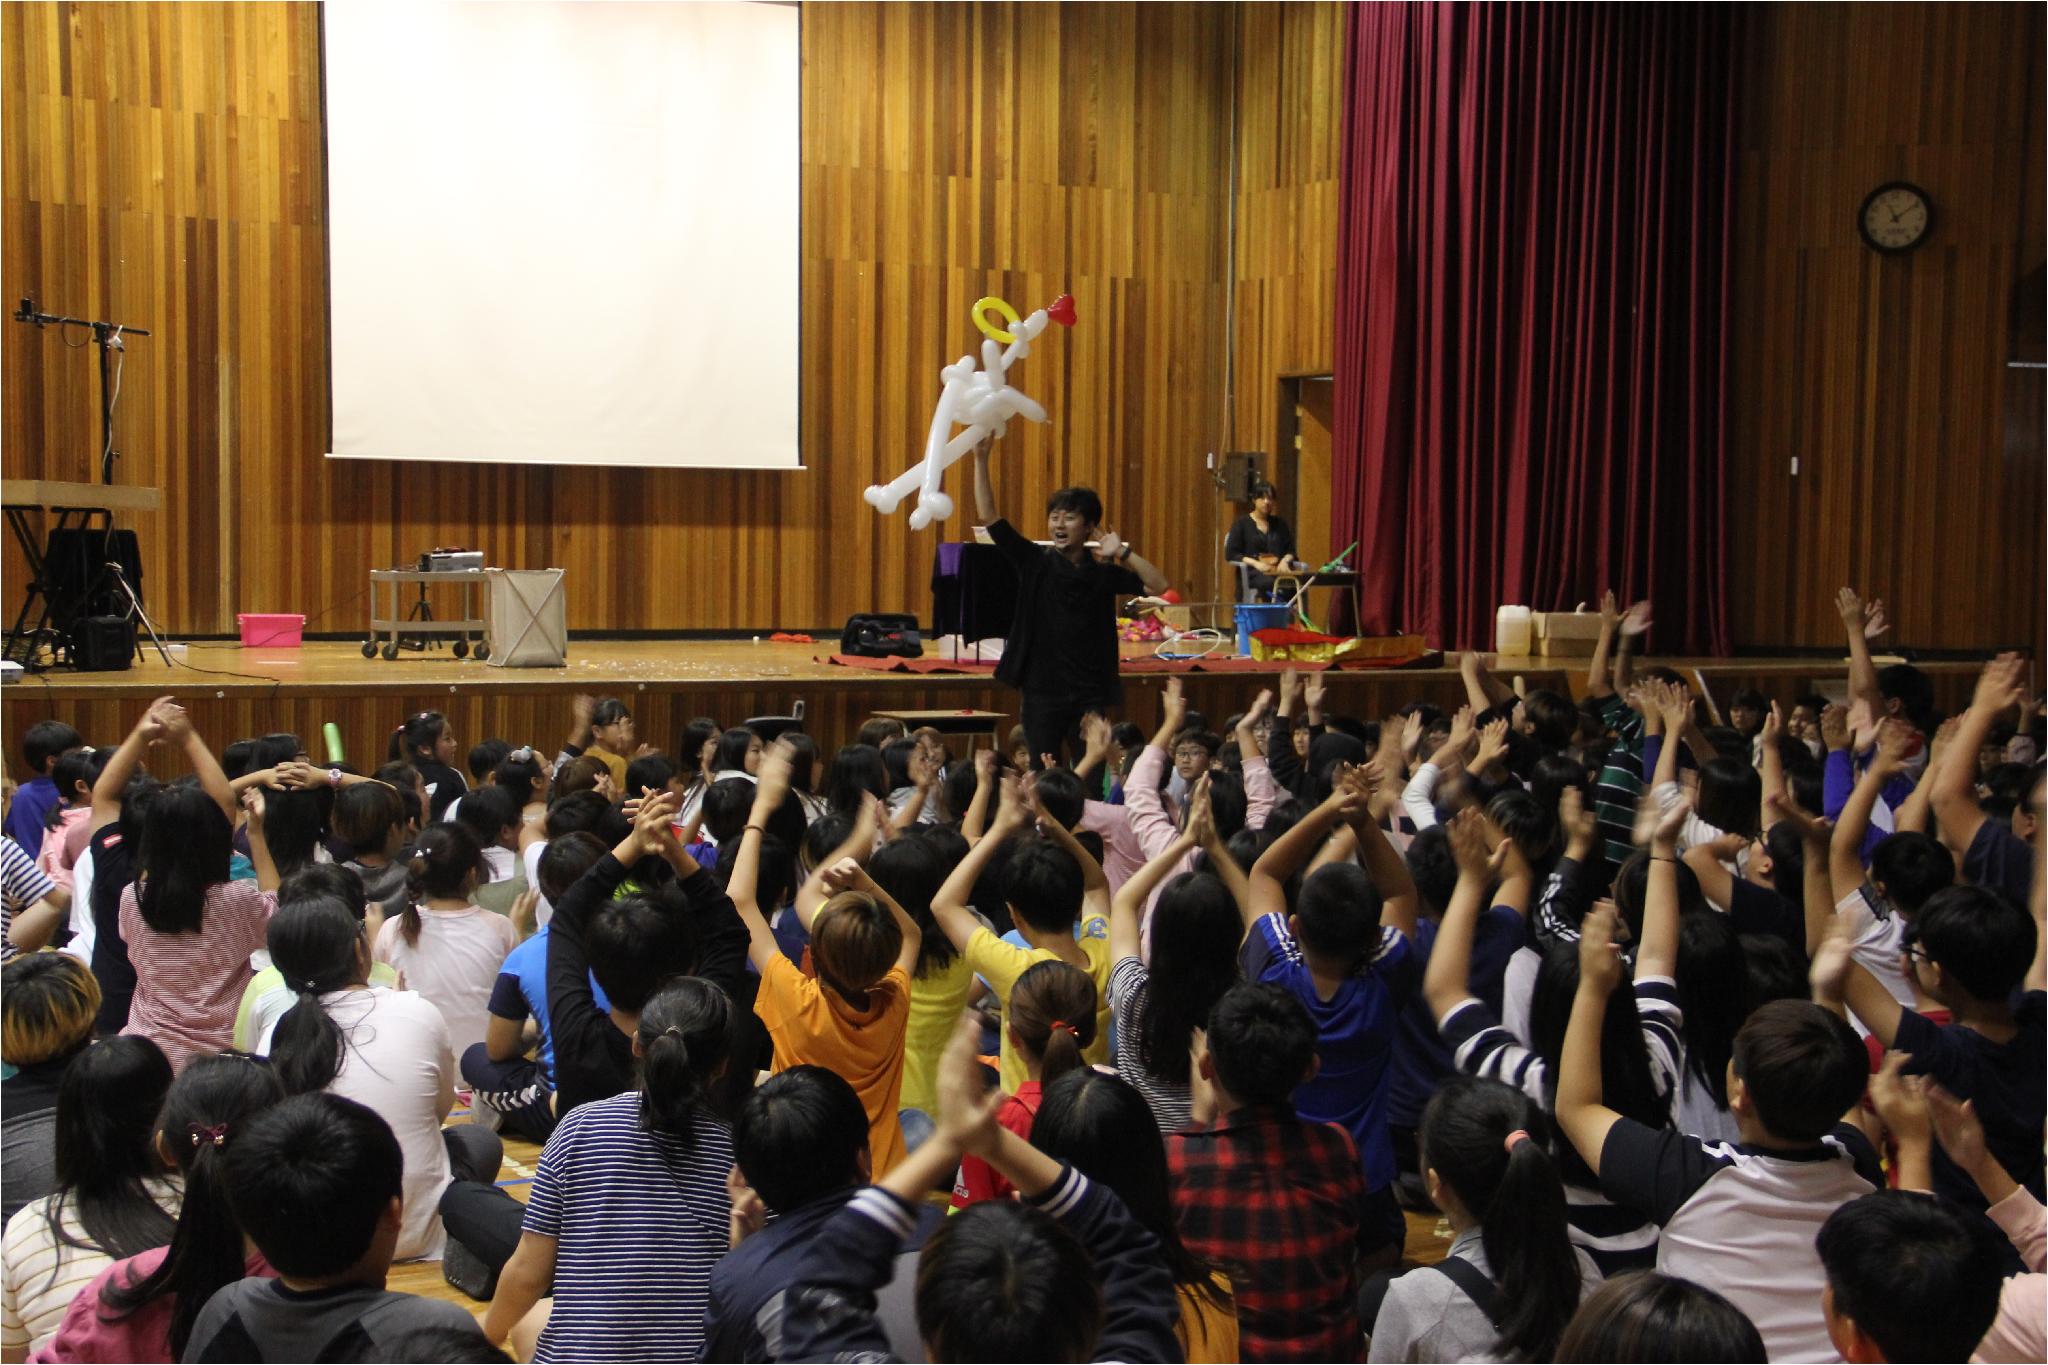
563 233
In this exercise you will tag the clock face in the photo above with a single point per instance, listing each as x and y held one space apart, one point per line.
1895 217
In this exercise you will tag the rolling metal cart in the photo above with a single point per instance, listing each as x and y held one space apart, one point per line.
418 629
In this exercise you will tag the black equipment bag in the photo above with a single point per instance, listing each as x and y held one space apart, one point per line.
881 635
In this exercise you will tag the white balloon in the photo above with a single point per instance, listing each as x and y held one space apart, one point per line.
980 401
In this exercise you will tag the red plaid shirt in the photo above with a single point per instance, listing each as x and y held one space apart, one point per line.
1276 1201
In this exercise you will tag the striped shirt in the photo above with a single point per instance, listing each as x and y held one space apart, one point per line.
1130 993
1743 1218
22 884
1616 1238
1618 787
32 1303
639 1220
189 986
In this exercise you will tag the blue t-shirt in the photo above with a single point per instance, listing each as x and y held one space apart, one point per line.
521 992
32 804
1355 1031
1422 1059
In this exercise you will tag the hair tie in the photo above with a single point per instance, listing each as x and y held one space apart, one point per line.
217 1134
1512 1140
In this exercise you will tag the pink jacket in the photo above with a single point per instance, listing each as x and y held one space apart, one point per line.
1156 829
2020 1331
87 1335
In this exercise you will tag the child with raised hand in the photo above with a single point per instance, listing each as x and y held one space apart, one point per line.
1343 950
910 871
1197 926
1992 854
1475 965
448 947
1049 1020
851 1017
1065 1274
1511 1278
1740 1216
1912 1276
143 1307
188 926
1981 956
1048 885
1641 1045
2020 1330
628 946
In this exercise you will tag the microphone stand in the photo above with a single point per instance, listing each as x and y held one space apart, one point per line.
107 336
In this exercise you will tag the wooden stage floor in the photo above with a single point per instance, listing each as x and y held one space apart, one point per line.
617 666
234 692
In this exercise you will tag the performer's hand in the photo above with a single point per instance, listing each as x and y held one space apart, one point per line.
1108 546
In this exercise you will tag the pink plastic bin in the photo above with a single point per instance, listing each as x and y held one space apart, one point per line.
273 630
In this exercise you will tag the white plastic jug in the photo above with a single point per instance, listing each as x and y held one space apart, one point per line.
1511 627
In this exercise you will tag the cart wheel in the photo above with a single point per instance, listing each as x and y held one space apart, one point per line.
369 649
391 649
461 649
483 650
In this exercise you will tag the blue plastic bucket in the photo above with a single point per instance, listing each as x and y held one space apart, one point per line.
1253 616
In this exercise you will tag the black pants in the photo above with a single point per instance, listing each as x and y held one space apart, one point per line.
513 1093
474 1210
1052 725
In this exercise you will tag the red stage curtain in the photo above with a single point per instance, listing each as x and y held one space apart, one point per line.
1531 300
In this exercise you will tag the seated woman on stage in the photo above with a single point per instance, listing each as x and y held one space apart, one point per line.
1262 542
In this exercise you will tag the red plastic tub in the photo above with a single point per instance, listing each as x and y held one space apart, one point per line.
272 630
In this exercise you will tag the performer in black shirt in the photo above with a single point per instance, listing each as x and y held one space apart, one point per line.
1061 652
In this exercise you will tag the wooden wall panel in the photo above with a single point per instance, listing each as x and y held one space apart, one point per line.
162 166
1289 140
1920 451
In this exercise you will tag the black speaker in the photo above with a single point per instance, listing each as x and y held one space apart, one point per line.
103 644
72 564
1240 472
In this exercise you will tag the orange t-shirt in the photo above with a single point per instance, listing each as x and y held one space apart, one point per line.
812 1024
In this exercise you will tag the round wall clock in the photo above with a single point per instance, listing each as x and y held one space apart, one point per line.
1895 217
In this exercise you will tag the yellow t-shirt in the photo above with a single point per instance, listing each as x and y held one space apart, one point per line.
1207 1332
935 1005
615 762
1000 964
812 1024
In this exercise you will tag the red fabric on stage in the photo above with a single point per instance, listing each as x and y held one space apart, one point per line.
1533 255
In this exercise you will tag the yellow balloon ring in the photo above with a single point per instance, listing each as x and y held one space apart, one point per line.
994 333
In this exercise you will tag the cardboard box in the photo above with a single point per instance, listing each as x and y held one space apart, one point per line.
1565 634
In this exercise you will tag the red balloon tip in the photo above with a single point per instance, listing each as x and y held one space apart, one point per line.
1062 310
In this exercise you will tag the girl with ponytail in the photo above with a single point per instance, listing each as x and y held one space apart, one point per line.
143 1308
1517 1278
448 947
1051 1021
427 742
389 1050
630 1204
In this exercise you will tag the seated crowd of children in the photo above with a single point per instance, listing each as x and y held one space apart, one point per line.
1706 1042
